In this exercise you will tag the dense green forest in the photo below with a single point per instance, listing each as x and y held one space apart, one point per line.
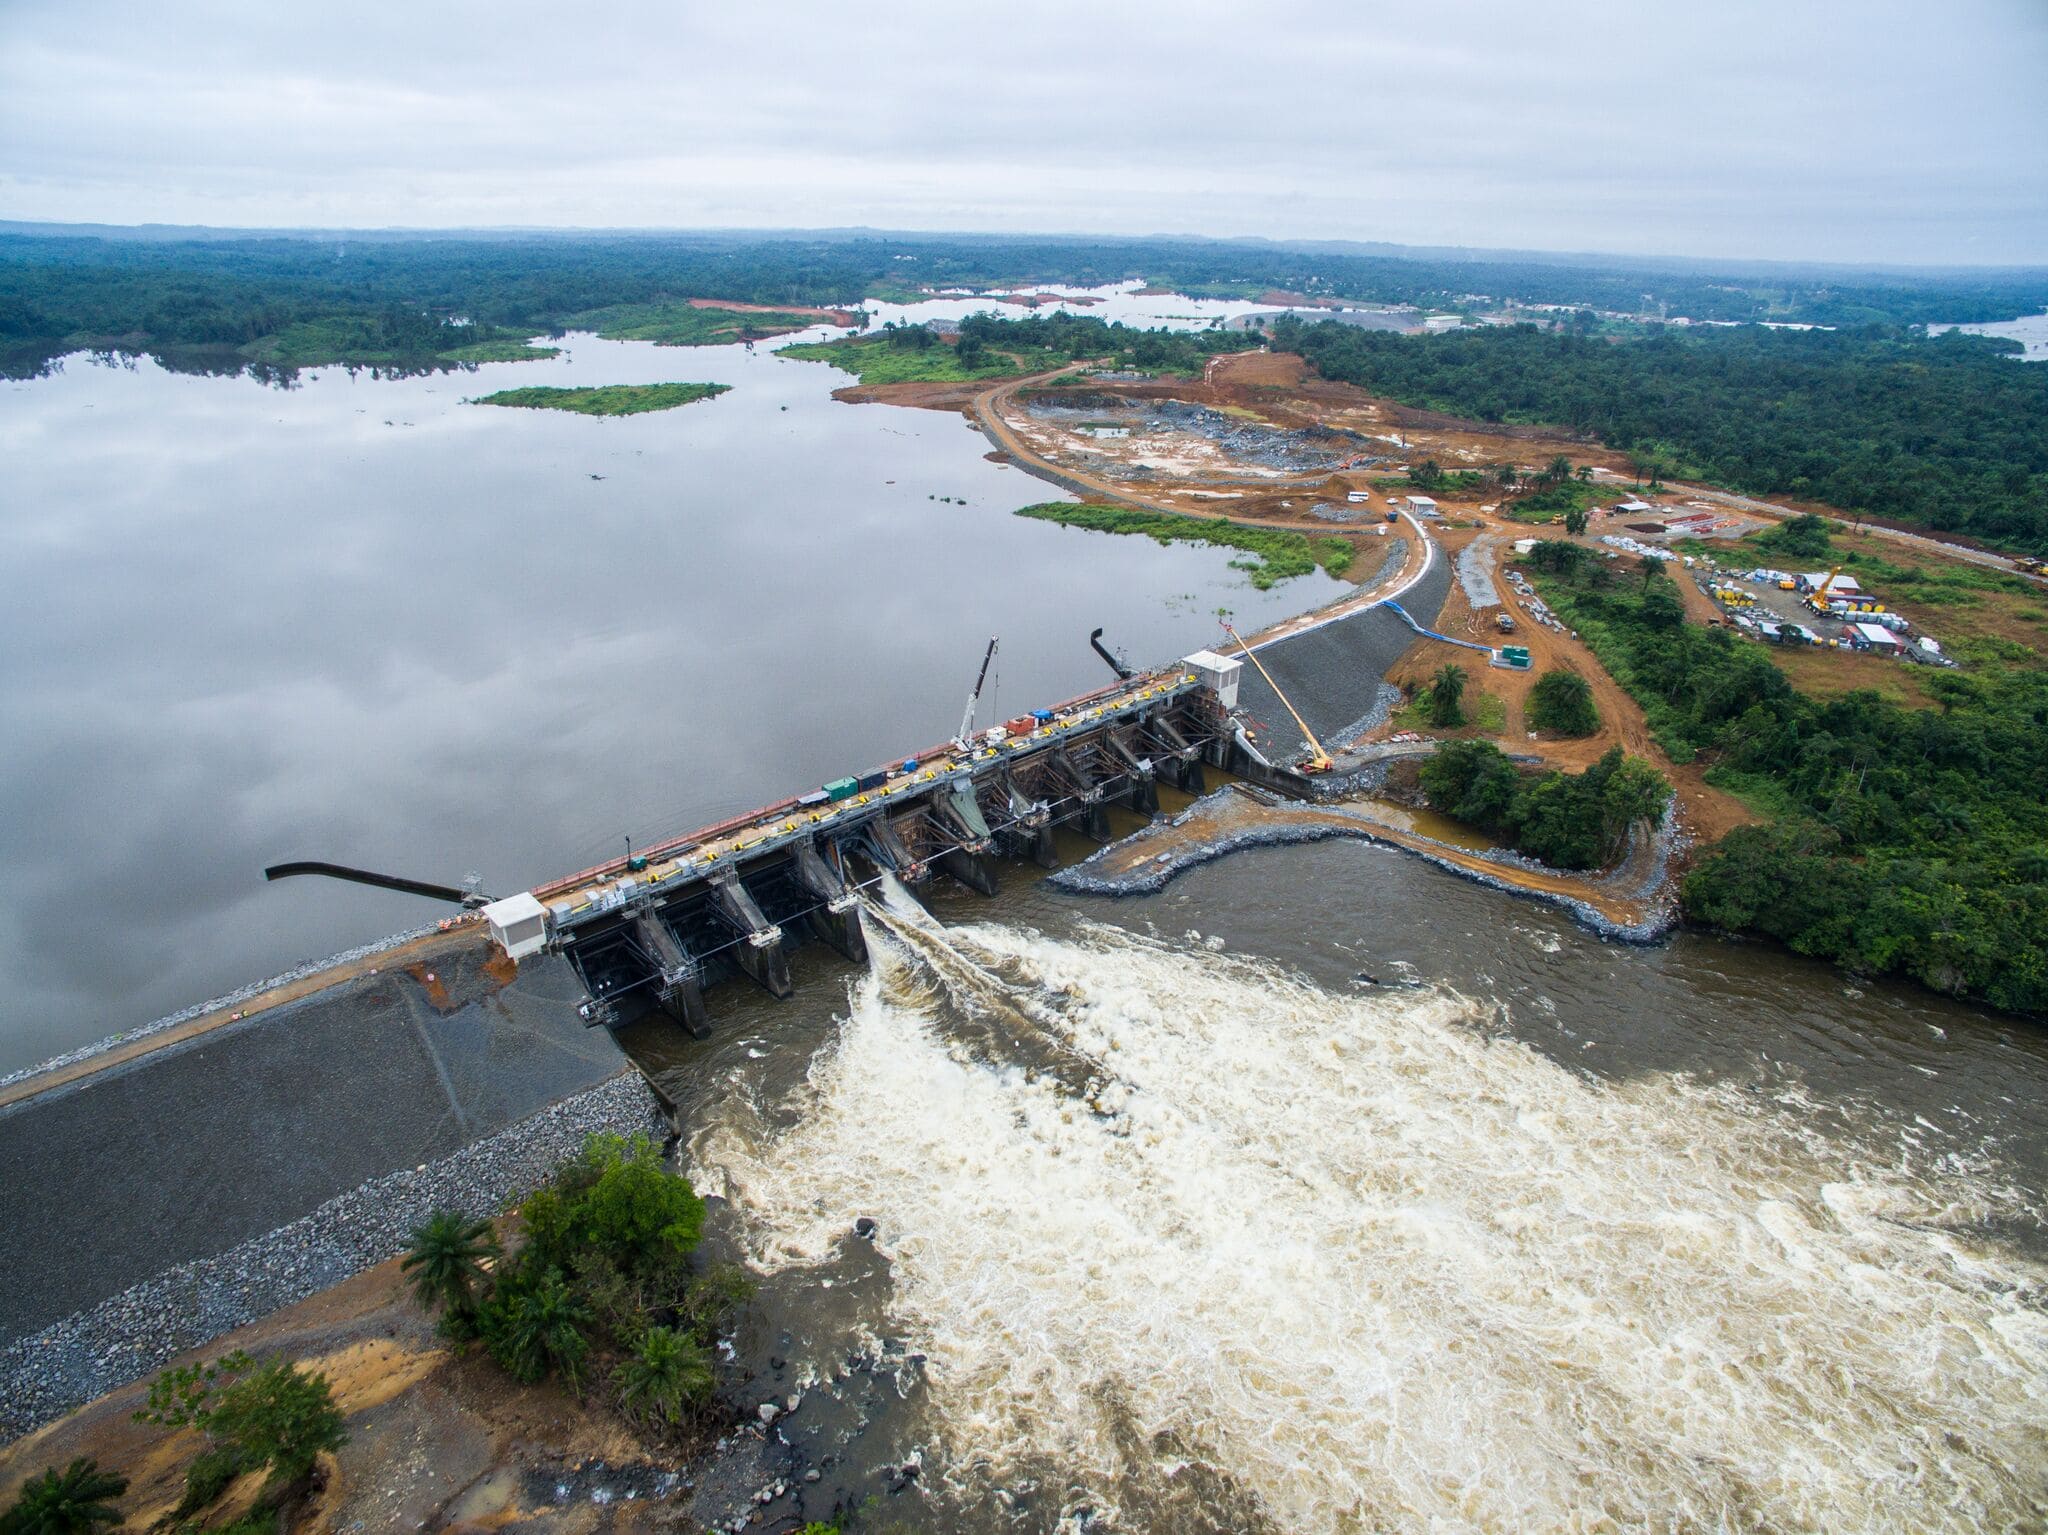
222 302
1901 840
1946 433
1180 353
1569 820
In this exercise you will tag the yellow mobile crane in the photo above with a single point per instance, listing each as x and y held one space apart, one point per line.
1817 599
1319 760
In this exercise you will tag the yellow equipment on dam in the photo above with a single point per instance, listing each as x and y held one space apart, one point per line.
729 900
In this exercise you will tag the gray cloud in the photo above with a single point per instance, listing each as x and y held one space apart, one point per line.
1875 130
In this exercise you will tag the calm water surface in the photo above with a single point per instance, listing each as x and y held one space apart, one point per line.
362 620
2030 331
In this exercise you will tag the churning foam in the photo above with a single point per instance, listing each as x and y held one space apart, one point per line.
1364 1267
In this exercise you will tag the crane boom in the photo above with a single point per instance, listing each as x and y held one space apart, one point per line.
973 698
1319 761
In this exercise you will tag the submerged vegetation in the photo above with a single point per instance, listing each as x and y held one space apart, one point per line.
1946 433
1900 840
606 399
1275 554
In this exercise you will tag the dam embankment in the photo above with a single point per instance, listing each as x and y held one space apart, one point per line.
1332 672
164 1178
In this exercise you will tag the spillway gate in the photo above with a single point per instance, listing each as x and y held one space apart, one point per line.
729 901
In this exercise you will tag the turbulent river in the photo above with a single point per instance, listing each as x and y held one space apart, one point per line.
1184 1228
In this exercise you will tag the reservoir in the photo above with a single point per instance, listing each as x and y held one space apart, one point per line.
361 620
2030 331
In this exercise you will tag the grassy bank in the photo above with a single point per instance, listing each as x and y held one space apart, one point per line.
877 360
681 324
606 399
500 351
1274 554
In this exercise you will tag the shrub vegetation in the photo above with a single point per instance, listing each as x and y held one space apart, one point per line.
603 1290
271 1416
1276 554
79 1500
1569 821
1562 702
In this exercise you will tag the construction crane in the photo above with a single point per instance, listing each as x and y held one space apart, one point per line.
962 740
1318 759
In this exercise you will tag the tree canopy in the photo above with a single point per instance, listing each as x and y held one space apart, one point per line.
1947 433
1902 840
220 302
1570 821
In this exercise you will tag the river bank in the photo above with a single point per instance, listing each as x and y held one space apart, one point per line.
440 1437
1635 902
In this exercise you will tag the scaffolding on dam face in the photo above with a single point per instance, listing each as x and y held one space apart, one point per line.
652 931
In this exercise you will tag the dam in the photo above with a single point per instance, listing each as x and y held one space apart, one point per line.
351 1087
726 902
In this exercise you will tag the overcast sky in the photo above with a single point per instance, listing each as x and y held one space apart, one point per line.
1864 130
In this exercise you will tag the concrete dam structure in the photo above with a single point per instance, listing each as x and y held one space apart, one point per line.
727 902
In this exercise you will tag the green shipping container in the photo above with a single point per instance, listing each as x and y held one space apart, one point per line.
841 788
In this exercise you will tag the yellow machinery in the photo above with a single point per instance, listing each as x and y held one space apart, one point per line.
1319 760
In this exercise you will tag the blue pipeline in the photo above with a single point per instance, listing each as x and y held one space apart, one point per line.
1430 633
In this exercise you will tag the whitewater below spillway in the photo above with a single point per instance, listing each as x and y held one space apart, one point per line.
1195 1244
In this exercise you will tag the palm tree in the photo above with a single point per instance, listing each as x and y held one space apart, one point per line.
76 1503
547 1327
447 1262
662 1377
1446 692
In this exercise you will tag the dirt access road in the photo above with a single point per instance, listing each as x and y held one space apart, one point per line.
1707 812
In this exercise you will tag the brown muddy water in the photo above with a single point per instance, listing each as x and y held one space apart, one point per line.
1180 1226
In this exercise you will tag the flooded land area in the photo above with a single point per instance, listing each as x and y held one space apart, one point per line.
1275 1167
